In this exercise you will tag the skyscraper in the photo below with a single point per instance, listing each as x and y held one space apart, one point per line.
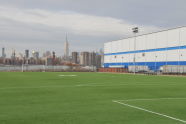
84 58
3 53
75 57
26 54
66 49
92 58
13 54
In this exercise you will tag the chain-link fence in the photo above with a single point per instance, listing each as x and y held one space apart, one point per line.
167 69
46 68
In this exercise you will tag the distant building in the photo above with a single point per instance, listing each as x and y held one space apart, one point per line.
35 55
99 61
3 53
53 55
47 54
66 49
101 53
13 54
84 58
75 57
26 54
92 59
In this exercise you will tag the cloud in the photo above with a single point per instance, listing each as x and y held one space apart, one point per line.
77 23
41 29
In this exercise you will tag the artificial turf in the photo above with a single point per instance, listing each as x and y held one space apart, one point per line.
87 98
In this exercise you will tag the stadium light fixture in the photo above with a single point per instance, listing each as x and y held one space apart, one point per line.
135 31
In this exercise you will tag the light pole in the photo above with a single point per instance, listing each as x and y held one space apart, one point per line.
122 64
135 31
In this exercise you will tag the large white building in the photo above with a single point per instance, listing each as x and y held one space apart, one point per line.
153 50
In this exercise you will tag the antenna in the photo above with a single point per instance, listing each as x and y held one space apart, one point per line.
66 38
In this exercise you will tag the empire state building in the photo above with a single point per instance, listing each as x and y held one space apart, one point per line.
66 49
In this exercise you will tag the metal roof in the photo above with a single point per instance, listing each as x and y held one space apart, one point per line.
148 33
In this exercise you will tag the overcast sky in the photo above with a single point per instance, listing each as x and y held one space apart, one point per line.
41 25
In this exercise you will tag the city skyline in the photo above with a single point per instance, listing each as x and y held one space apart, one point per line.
78 59
29 52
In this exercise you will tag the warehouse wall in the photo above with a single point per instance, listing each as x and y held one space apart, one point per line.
153 50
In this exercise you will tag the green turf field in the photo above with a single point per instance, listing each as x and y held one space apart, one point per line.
91 98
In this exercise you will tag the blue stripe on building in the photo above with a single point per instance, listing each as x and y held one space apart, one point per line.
152 65
148 50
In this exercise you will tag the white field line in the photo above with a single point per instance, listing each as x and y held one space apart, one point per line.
67 75
153 99
149 111
124 83
81 85
99 85
31 87
90 84
104 85
56 86
52 86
